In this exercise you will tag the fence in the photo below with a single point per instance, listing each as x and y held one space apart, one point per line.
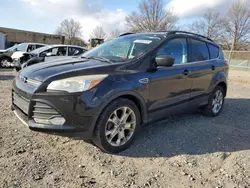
239 59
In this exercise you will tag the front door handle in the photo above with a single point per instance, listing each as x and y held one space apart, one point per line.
185 72
213 67
144 80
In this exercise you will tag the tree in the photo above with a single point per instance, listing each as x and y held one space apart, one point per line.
71 29
99 33
151 16
76 41
237 25
210 25
114 34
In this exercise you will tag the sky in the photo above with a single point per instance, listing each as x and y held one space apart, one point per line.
46 15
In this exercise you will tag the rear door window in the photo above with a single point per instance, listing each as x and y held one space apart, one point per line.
39 46
214 51
199 51
175 48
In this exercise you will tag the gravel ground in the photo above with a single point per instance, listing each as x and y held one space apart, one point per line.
185 151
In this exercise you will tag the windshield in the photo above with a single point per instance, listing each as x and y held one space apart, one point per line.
12 48
125 48
21 47
39 50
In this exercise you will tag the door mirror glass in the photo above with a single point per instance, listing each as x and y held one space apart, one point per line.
164 61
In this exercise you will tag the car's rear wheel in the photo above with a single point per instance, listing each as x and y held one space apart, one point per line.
117 126
215 103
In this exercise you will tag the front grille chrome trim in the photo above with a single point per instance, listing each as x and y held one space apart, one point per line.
33 82
21 102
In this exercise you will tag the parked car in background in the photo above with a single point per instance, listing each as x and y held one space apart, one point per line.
113 89
15 52
48 53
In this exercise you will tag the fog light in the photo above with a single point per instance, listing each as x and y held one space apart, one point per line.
42 121
57 121
53 121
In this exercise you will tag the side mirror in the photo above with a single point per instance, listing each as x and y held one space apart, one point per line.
164 61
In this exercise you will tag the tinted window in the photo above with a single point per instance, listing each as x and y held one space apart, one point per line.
221 55
75 51
214 51
176 48
199 51
57 51
39 46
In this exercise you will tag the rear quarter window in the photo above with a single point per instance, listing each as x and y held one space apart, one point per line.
214 51
221 54
199 51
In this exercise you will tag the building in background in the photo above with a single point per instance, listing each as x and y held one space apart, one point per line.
10 37
2 41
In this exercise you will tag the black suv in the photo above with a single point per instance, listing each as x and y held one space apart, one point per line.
110 91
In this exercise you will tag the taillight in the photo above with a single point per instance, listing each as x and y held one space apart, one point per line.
226 63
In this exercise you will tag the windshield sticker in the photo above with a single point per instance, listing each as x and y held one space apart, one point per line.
143 41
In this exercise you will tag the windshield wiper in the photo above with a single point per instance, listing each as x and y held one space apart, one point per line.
103 59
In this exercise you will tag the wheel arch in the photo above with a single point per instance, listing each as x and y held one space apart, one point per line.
223 85
5 57
130 95
219 79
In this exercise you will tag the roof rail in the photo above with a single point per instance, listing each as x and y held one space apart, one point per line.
125 34
190 33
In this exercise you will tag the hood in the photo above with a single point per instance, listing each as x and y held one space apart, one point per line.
17 55
67 66
2 51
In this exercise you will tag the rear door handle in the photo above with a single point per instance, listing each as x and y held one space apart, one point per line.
213 67
185 72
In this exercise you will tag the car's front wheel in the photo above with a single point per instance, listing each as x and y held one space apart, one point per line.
117 126
215 103
5 62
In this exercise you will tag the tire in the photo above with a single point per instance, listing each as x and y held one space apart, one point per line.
17 69
209 109
106 126
5 59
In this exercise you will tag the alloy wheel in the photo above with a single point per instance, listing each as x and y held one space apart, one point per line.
217 101
120 126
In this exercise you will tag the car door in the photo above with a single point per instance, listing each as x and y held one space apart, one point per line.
170 87
201 69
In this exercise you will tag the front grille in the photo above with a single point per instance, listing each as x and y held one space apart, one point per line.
44 111
21 102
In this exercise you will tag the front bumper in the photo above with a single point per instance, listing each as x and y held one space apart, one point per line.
78 110
16 63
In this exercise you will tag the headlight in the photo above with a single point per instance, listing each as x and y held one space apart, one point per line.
76 84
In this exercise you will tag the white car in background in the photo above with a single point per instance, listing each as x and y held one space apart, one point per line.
8 56
48 53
